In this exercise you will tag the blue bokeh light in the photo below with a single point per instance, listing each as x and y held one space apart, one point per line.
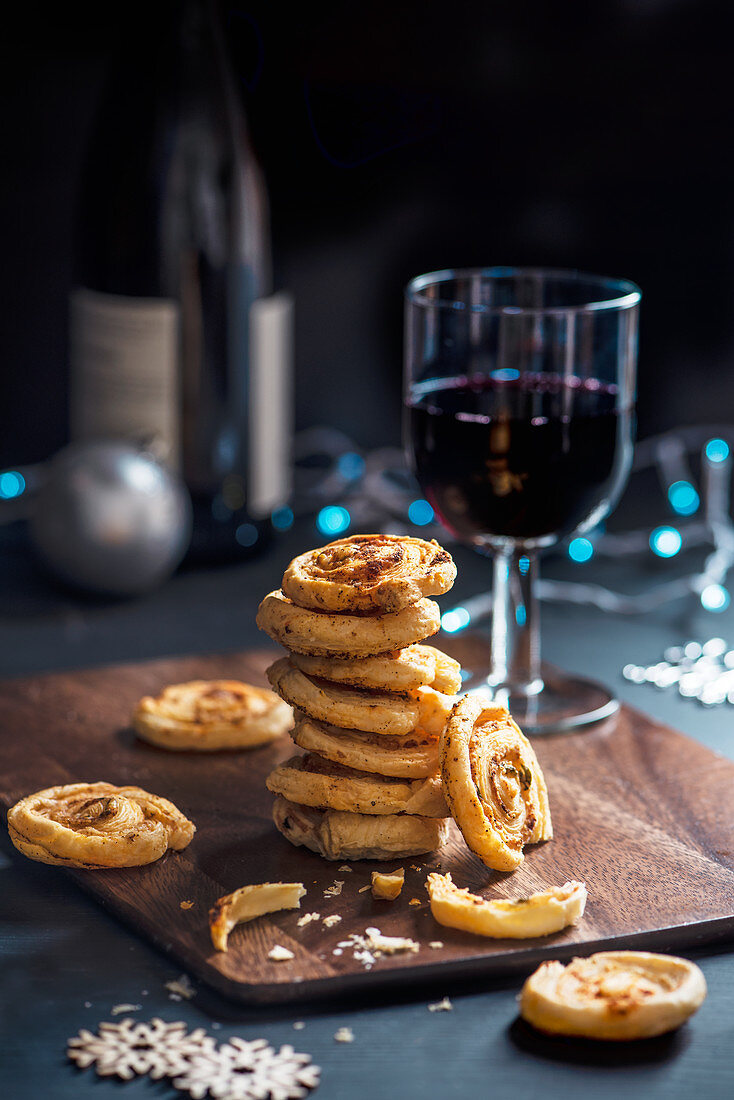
282 518
505 374
246 534
665 542
715 598
220 511
350 465
333 519
580 550
521 615
523 565
683 498
717 450
456 619
420 513
12 485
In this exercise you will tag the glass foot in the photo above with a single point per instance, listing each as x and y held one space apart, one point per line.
564 703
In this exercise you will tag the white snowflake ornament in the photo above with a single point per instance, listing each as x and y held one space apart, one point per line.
241 1070
130 1048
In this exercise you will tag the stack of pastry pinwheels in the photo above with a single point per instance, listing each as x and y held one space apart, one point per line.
370 701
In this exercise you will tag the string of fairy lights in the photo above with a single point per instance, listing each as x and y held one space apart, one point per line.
341 489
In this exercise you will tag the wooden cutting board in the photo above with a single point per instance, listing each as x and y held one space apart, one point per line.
641 813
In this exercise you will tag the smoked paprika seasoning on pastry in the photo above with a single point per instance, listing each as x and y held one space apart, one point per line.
96 825
362 573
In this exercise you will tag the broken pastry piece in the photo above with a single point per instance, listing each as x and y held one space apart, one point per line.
539 915
249 902
613 995
387 886
96 825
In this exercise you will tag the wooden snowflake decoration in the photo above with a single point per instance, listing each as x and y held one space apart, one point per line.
130 1048
241 1070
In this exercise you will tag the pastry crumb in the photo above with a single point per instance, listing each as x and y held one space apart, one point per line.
363 888
415 867
386 886
180 987
344 1035
367 948
307 918
345 868
335 889
435 944
186 904
280 954
414 901
441 1006
329 922
117 1009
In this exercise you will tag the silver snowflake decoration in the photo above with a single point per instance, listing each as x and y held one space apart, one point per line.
131 1048
241 1070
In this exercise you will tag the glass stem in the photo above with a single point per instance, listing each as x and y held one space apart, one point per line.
515 658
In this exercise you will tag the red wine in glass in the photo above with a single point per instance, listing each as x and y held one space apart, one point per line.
529 457
519 411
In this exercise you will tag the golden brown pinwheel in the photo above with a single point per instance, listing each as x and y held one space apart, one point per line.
96 825
357 708
206 715
382 573
327 634
493 783
337 834
613 995
312 781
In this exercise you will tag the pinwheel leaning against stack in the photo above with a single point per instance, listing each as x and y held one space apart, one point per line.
370 700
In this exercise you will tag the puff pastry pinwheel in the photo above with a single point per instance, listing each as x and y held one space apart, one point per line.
413 667
311 781
357 708
412 757
382 573
493 783
335 834
613 995
539 915
97 825
323 634
206 715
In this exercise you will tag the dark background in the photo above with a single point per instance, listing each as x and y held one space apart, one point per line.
403 137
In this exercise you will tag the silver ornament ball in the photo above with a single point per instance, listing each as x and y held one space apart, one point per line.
110 518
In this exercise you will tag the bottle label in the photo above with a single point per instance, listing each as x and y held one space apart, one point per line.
124 371
270 466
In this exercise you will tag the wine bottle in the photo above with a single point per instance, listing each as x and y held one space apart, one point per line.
175 339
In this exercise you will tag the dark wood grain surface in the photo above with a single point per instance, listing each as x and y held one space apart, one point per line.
641 814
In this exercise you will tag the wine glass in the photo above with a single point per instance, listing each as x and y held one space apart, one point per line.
519 425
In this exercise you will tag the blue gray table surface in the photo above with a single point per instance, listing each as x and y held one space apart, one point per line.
64 962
